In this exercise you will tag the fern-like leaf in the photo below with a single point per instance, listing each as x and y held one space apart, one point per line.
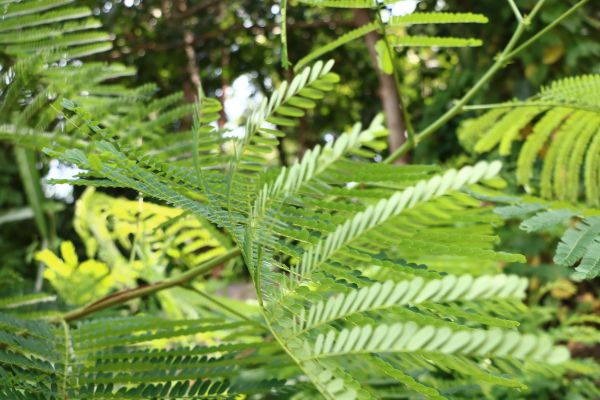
580 241
401 21
564 117
384 209
389 294
546 220
406 337
578 244
116 358
350 258
430 41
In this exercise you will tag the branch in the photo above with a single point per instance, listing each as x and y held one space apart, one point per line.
502 60
129 294
285 62
541 33
515 10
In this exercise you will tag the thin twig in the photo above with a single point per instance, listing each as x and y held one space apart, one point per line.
515 10
285 63
410 132
541 33
222 305
138 230
538 6
67 337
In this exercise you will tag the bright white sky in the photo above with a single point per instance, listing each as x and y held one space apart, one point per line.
404 7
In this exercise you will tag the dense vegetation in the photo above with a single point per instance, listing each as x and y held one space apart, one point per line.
408 208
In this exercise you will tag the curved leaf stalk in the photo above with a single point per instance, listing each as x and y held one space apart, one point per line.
121 297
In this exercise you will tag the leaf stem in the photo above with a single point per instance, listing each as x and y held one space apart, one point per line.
538 6
285 63
507 54
283 343
515 10
541 33
67 337
32 185
493 106
222 305
138 226
129 294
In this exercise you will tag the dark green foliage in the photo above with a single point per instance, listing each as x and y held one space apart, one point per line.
122 358
371 279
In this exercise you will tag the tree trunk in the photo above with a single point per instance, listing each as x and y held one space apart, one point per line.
190 53
388 94
224 87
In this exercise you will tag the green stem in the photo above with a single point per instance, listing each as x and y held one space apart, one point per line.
67 357
30 178
32 185
538 6
126 295
441 121
257 275
138 230
222 305
284 345
507 54
541 33
515 10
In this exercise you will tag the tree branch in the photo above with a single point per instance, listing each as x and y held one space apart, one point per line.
389 93
410 132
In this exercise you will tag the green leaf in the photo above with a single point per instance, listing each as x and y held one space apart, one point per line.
575 241
545 220
383 57
431 41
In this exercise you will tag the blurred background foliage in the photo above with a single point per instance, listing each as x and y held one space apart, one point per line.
233 48
241 38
